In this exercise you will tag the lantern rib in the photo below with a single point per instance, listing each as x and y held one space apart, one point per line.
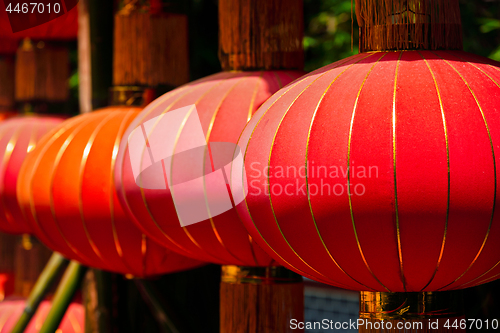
5 160
498 85
209 132
396 210
250 113
124 196
83 164
349 174
185 229
116 239
252 251
490 279
445 128
291 77
269 163
53 135
246 202
494 172
307 180
254 96
57 160
280 84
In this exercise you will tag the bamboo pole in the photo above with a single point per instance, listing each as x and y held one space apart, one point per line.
42 285
69 284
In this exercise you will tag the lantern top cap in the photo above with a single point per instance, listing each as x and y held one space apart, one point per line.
387 25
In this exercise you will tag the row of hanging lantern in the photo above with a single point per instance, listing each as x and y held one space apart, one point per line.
411 125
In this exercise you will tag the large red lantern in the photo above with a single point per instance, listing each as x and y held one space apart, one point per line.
11 310
18 136
67 192
378 173
224 103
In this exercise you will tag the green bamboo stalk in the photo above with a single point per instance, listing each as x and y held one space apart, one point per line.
69 284
40 289
160 310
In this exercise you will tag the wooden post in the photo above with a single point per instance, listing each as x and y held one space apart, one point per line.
151 49
95 52
261 34
260 299
409 25
7 66
42 72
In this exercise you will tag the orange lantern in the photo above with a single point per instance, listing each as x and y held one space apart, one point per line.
67 192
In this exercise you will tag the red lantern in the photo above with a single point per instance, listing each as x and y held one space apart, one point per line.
11 310
224 103
410 122
66 190
18 136
379 172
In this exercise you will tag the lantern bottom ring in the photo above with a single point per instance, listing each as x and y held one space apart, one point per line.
410 305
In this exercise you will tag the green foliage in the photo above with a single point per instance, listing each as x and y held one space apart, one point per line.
481 27
328 32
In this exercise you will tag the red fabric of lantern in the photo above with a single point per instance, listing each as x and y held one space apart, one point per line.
18 136
380 172
225 102
67 192
11 310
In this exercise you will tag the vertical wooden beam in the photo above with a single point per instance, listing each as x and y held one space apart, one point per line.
95 52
